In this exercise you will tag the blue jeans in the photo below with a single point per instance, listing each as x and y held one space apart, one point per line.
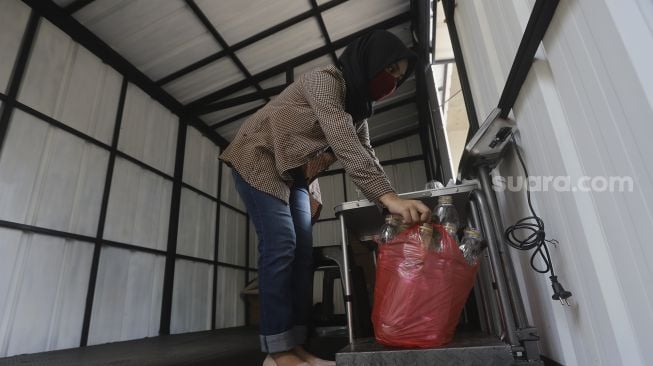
285 264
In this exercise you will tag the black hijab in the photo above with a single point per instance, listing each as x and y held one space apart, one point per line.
362 60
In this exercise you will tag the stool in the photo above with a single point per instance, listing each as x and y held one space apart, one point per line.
324 259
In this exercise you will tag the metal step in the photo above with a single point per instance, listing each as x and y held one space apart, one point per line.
468 349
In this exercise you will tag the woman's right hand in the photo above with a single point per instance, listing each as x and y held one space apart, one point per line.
412 211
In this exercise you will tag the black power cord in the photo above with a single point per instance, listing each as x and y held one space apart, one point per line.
528 233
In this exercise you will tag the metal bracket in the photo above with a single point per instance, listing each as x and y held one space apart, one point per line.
529 340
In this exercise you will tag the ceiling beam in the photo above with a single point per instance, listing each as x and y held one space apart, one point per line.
325 32
538 23
104 52
249 41
311 55
76 5
227 103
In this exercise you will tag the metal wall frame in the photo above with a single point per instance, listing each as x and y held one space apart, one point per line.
449 7
10 103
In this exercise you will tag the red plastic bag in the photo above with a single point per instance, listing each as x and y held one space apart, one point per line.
419 293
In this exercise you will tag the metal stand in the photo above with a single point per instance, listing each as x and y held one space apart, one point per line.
485 209
347 283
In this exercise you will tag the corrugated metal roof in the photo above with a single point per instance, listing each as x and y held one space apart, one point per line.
164 38
158 37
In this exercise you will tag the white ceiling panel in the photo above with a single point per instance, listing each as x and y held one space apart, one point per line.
223 114
236 20
205 80
239 93
355 15
63 3
282 46
229 131
403 32
318 62
273 81
158 37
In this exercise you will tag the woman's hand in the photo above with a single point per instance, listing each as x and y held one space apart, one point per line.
412 211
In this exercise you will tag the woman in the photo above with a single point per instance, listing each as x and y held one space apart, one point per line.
283 147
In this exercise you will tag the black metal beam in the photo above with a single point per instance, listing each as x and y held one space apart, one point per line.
538 23
236 117
323 29
99 48
427 119
449 9
17 74
227 103
266 74
216 247
249 41
76 6
216 35
90 293
173 229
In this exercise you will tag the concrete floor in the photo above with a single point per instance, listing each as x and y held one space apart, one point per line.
228 347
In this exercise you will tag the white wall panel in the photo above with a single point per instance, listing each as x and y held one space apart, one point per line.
43 284
333 193
196 236
326 233
148 131
233 229
201 162
191 297
229 306
585 110
50 178
139 206
409 146
128 294
229 193
404 177
65 81
13 21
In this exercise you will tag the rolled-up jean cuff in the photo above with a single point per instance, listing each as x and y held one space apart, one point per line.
283 341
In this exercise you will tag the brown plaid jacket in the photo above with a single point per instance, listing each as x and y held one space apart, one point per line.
306 126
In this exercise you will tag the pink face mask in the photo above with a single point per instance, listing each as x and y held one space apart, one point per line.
382 85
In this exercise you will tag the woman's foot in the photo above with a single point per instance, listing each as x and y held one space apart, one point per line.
312 359
284 359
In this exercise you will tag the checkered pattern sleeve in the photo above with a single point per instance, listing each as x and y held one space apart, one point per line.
364 137
326 95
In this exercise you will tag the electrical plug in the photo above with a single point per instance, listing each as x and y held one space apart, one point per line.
559 292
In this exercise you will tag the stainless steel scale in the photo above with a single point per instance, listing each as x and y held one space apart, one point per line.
500 307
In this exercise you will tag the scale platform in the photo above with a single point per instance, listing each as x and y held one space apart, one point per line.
467 348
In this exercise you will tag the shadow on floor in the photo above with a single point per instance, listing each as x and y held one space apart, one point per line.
224 347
